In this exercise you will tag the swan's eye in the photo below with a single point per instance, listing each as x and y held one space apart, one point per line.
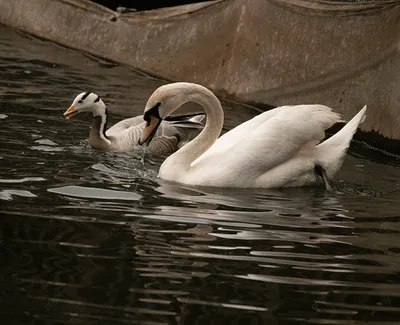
146 117
80 101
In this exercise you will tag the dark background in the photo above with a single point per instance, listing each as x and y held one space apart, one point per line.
143 5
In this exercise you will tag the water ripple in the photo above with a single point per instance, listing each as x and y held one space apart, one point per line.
95 193
95 237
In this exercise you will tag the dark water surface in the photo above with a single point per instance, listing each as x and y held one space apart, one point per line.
95 238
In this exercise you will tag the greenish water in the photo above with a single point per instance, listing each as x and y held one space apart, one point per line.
95 238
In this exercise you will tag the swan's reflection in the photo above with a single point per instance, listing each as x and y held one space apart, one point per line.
203 240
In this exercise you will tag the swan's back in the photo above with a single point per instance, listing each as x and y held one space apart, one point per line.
285 129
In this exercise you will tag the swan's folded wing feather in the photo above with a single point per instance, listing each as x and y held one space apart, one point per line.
229 139
273 141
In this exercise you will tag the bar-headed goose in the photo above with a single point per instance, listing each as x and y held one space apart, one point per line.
124 135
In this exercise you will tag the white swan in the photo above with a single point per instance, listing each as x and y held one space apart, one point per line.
124 135
278 148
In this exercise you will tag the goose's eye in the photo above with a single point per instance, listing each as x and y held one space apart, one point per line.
80 101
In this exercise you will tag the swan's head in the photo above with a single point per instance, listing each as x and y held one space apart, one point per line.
161 104
86 102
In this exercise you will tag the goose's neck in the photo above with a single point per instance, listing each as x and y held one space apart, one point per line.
97 137
182 159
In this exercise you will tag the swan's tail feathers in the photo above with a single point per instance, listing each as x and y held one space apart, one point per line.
193 120
331 152
326 116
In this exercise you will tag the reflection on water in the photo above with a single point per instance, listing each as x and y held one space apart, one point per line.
95 238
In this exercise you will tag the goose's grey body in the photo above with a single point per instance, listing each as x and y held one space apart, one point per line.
124 135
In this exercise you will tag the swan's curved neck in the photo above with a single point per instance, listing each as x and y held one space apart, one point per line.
182 159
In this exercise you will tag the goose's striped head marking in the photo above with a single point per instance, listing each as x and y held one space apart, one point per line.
86 102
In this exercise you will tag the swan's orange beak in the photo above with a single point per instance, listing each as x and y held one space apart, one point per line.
149 130
70 112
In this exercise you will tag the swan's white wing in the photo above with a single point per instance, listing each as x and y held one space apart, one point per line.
257 148
229 139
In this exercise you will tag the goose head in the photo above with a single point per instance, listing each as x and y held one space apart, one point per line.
86 102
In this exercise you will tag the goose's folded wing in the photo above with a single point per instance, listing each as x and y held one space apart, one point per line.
186 128
272 141
163 145
127 140
124 125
